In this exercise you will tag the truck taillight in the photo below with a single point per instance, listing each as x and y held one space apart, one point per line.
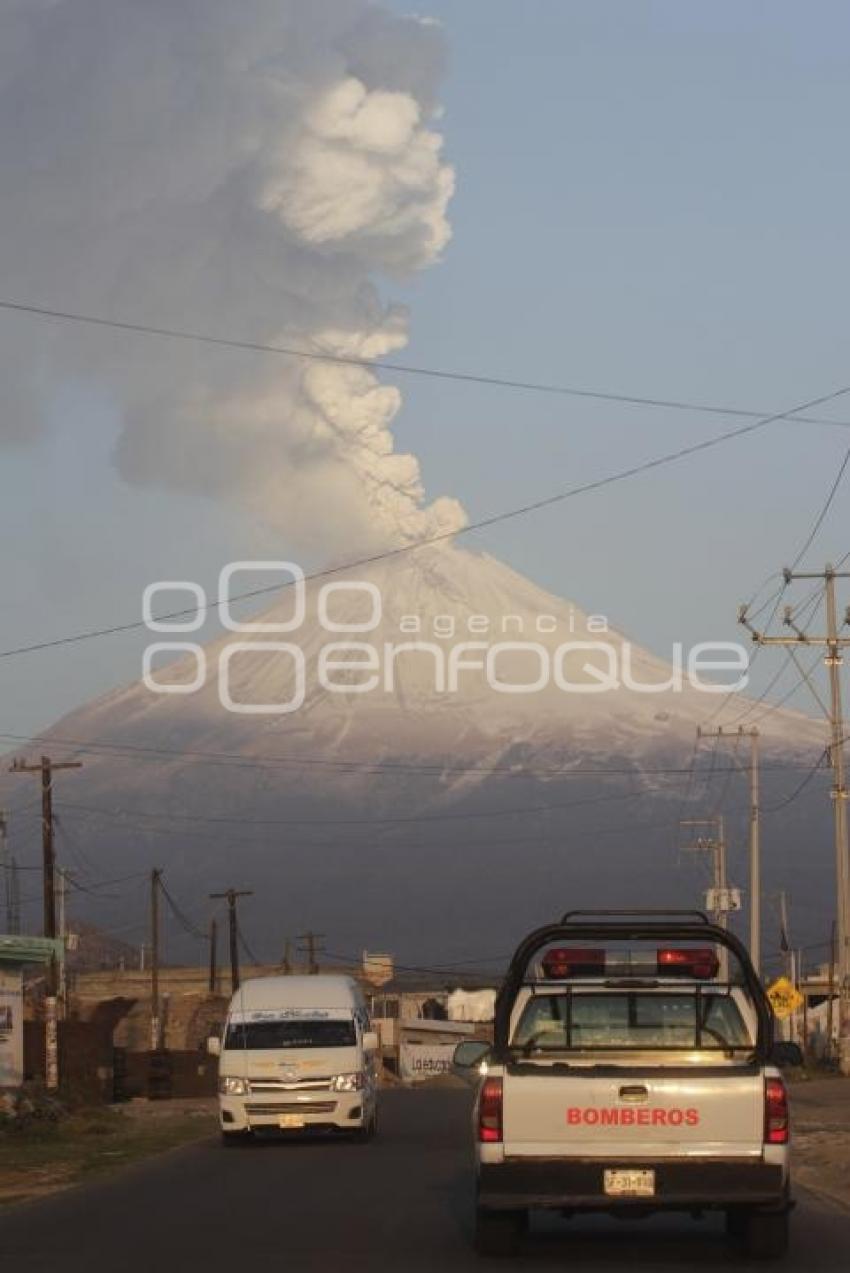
566 961
776 1124
490 1112
700 962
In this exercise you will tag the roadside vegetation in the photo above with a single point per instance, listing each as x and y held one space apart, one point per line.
48 1144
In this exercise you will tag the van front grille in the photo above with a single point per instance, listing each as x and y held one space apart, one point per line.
290 1085
290 1107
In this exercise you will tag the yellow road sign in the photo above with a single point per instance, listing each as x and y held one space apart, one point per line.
784 997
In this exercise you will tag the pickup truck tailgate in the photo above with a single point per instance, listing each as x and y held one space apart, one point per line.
658 1115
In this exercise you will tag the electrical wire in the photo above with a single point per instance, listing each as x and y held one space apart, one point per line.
822 514
180 915
734 768
237 760
407 369
776 599
584 488
236 820
246 948
798 791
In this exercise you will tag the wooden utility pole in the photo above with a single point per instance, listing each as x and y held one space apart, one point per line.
755 829
716 846
6 868
829 1002
312 945
156 1024
47 767
15 897
63 936
833 644
230 895
287 957
785 934
213 986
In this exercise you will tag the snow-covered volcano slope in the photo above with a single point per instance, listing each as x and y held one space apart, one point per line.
424 693
412 814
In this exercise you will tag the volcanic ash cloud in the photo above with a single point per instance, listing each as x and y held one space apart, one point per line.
247 170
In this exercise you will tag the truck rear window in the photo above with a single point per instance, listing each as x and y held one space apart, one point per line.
291 1034
631 1020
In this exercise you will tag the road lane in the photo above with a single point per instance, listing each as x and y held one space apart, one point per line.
403 1202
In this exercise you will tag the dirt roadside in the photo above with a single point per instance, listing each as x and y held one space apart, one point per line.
46 1158
820 1122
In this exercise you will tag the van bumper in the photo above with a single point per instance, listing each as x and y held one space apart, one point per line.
683 1185
343 1111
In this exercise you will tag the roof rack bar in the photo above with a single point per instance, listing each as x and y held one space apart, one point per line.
628 926
662 912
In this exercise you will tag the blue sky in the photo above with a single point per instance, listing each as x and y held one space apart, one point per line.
652 198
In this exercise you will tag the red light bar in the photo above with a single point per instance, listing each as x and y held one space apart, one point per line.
566 961
701 962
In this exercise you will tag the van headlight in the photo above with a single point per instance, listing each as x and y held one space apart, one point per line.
228 1085
348 1082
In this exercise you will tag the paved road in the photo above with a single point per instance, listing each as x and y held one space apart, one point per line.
403 1202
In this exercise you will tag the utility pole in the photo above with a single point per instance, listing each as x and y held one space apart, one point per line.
755 828
230 895
287 957
829 1002
313 945
15 897
63 937
833 645
716 846
46 767
785 936
213 985
156 1025
6 868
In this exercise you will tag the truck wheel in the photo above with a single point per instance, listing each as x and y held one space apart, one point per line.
736 1222
498 1233
766 1235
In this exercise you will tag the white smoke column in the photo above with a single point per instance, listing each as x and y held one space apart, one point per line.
247 170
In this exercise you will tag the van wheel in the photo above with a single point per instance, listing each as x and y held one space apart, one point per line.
364 1134
766 1235
498 1233
231 1140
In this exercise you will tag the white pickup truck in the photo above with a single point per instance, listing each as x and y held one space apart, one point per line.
633 1070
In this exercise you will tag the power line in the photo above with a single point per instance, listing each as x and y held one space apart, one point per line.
252 958
180 915
334 822
822 514
584 488
238 760
384 820
407 369
798 791
776 599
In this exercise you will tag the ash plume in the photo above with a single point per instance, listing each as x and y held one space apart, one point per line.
251 170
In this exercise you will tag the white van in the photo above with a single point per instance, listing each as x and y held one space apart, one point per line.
297 1054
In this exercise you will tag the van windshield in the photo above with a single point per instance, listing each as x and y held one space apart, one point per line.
631 1020
256 1035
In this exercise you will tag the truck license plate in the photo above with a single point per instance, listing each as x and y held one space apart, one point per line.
290 1120
628 1183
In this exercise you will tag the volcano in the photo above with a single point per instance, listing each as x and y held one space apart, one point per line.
428 753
